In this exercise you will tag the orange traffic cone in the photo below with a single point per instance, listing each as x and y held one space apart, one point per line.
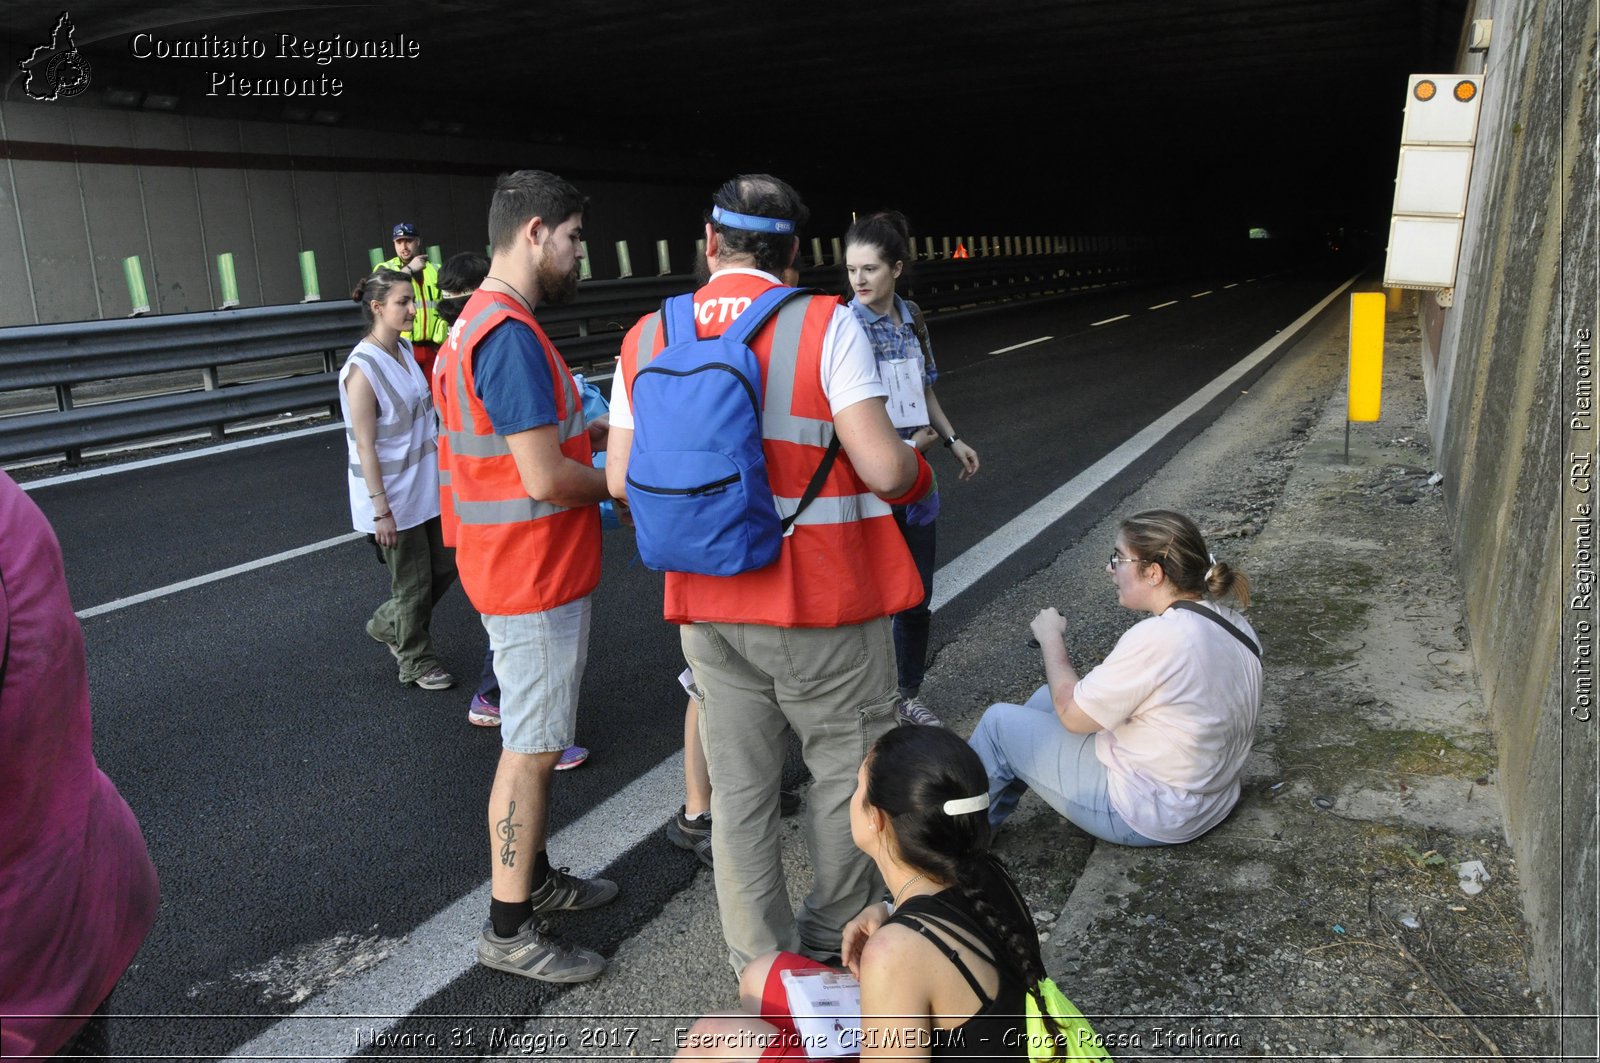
960 251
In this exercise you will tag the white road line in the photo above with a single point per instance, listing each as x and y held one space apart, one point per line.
1197 295
212 577
441 949
1158 306
1235 284
979 560
1019 346
167 459
1109 320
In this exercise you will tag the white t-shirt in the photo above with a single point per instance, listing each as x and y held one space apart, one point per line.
849 369
1178 698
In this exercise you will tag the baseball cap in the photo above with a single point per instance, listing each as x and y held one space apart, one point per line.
405 228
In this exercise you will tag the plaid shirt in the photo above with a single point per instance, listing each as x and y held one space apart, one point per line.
893 343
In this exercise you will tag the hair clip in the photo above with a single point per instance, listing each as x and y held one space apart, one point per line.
961 805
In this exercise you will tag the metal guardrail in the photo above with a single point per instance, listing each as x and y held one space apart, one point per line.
588 331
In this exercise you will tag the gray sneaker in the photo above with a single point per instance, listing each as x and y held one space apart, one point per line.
562 892
435 678
533 953
691 834
913 711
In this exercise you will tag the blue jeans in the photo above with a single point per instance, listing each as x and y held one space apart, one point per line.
1026 746
911 626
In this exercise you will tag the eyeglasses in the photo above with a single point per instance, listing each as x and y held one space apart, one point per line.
1117 559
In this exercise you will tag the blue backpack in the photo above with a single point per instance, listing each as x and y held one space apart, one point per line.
697 476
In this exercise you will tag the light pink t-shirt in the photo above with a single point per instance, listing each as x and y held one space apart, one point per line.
77 889
1178 699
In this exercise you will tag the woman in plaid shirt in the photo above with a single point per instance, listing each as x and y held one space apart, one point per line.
877 252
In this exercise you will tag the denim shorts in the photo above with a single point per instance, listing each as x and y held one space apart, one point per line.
539 660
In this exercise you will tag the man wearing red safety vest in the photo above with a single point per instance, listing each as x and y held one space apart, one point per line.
527 533
803 643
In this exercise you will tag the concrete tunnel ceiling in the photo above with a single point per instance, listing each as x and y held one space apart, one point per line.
1034 114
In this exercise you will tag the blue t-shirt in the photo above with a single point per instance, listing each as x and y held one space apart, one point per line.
513 379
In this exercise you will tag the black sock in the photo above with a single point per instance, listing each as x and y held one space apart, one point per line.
541 868
508 916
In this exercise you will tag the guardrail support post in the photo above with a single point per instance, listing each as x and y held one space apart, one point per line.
663 260
435 256
838 251
227 281
137 295
585 271
816 250
374 257
208 379
308 277
624 263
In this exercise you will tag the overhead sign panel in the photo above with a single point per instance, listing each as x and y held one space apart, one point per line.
1442 109
1433 181
1422 252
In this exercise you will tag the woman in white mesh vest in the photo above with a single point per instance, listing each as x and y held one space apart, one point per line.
393 475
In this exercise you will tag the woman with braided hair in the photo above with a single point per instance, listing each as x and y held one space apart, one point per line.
1147 748
946 965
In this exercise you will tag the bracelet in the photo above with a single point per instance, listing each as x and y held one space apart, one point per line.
382 516
375 494
951 440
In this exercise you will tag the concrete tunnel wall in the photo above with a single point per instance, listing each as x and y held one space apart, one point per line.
1502 371
177 191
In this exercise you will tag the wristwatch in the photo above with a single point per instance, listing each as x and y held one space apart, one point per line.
951 440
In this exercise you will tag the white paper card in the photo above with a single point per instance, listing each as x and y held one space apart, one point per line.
826 1008
902 378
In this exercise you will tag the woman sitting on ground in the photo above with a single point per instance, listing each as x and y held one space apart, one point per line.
944 968
1146 749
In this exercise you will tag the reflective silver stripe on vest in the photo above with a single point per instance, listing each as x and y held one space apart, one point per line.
394 465
403 418
834 509
783 365
509 511
647 338
471 444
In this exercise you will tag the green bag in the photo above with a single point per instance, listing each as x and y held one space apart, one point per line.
1077 1039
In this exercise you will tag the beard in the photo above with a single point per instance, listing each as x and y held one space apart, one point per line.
556 287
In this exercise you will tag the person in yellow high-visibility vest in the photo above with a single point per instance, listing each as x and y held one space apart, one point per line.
429 330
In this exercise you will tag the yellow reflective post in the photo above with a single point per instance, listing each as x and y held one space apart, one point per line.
1396 298
1365 383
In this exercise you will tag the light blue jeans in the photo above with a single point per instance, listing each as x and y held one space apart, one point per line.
539 660
1026 747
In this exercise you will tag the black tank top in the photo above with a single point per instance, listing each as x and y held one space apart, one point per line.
996 1030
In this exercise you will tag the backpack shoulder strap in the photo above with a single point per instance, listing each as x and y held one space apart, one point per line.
677 317
763 307
814 488
920 327
1217 618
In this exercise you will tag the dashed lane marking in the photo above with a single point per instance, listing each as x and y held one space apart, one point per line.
1158 306
168 459
1197 295
961 573
212 577
1109 320
1019 346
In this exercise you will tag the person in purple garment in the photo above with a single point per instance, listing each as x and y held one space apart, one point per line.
78 893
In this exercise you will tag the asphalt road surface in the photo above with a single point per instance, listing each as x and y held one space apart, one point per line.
299 803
